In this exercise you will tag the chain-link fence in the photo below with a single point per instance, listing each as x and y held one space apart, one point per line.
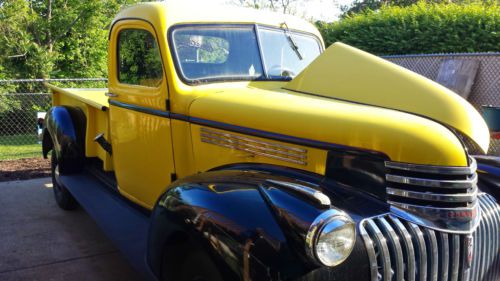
486 87
23 103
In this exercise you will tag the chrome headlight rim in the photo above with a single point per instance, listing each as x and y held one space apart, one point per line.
316 228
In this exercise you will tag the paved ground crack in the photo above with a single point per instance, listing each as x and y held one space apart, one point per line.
59 261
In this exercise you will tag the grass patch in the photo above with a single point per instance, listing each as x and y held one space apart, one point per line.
19 146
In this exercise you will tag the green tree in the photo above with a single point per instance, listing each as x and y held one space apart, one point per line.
422 28
360 6
55 38
283 6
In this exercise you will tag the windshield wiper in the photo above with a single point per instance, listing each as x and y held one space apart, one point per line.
292 43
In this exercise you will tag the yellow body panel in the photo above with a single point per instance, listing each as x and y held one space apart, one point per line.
401 136
142 153
347 73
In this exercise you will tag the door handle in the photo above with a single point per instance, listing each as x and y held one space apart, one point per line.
111 95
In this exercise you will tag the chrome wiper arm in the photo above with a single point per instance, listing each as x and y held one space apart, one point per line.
292 43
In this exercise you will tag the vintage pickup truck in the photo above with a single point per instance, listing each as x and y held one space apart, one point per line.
231 146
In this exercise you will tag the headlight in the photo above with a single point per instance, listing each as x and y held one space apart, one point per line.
331 237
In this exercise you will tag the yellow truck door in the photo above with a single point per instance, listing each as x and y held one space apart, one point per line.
140 126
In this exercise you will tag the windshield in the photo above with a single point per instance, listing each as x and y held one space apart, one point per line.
285 53
215 52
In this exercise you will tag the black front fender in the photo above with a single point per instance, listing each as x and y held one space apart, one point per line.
488 170
252 229
227 215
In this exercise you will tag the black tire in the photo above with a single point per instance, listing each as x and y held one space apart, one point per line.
196 266
64 199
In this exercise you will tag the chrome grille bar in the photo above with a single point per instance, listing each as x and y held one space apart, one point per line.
383 250
446 201
397 252
467 183
409 257
471 169
486 264
418 239
445 256
431 244
438 197
400 250
372 256
455 257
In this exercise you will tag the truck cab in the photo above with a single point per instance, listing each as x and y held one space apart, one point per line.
231 138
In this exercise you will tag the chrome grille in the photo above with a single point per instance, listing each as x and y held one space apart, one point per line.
399 250
438 196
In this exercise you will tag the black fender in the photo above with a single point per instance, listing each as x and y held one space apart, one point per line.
251 228
64 134
488 170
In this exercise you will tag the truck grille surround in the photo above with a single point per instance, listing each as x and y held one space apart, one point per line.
401 250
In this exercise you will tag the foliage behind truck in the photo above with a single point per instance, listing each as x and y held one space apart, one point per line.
231 146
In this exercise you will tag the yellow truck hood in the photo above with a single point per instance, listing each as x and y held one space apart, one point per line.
266 106
346 73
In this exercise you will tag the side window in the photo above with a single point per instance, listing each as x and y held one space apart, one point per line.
139 61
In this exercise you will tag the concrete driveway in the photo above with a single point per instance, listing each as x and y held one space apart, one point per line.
39 241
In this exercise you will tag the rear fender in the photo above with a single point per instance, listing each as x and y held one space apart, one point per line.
64 133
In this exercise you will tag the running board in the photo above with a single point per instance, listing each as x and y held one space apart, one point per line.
125 225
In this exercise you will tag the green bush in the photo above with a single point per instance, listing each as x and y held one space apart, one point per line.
419 29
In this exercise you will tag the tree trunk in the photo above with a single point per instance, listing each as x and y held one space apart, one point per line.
50 42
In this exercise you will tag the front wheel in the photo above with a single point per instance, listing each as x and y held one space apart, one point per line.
192 265
199 267
64 199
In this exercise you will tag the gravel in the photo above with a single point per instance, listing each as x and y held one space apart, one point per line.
23 169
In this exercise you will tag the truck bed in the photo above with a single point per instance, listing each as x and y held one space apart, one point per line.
94 97
94 104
